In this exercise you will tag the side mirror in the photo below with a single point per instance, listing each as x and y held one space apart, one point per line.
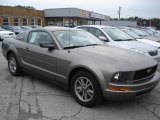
50 46
103 38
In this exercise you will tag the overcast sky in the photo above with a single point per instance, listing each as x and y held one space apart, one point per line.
140 8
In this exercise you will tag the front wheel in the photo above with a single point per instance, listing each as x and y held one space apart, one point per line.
13 65
86 89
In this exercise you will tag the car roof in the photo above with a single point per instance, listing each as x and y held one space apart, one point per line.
96 26
55 28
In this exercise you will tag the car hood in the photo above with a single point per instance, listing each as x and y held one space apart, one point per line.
152 38
133 45
119 59
5 32
150 42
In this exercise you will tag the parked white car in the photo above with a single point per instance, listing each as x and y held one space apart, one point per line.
113 36
138 38
4 33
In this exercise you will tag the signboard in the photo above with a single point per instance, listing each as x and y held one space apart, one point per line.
83 13
96 15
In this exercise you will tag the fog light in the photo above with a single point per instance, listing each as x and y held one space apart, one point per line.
110 87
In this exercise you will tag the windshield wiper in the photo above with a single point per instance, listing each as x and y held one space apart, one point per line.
123 39
129 39
92 44
119 40
72 47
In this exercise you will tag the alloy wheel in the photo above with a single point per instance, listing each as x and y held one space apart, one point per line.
84 89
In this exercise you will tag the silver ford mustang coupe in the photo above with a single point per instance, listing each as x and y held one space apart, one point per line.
76 58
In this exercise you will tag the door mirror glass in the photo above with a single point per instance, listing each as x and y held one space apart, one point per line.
103 38
48 45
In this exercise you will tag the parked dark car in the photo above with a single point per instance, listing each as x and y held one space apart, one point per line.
76 58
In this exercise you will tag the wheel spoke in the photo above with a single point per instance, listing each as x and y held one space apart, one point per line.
79 81
90 91
89 84
87 81
85 96
79 88
90 95
82 81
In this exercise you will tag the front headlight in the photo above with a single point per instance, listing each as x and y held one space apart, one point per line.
121 77
139 51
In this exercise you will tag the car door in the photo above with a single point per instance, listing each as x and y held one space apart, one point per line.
37 59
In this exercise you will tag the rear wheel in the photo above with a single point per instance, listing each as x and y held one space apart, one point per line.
13 65
86 89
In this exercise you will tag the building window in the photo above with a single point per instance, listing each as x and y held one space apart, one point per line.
25 21
5 21
40 22
32 21
16 21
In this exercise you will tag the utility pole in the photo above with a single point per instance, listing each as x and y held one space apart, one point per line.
119 12
150 22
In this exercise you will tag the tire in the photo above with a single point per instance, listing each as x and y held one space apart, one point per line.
93 91
13 65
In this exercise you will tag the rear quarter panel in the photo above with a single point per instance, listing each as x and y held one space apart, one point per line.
12 45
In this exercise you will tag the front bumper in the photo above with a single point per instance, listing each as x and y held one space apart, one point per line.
134 90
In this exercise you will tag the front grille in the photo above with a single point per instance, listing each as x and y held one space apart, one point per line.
144 73
153 53
10 33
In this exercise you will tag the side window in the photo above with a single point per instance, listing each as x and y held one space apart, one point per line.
93 31
20 37
39 37
99 33
96 32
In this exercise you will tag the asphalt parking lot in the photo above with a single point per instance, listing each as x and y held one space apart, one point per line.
30 98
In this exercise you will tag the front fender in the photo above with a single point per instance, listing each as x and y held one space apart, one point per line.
93 68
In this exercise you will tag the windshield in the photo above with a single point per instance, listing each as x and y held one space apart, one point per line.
146 33
139 32
149 32
117 35
79 38
152 29
131 33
